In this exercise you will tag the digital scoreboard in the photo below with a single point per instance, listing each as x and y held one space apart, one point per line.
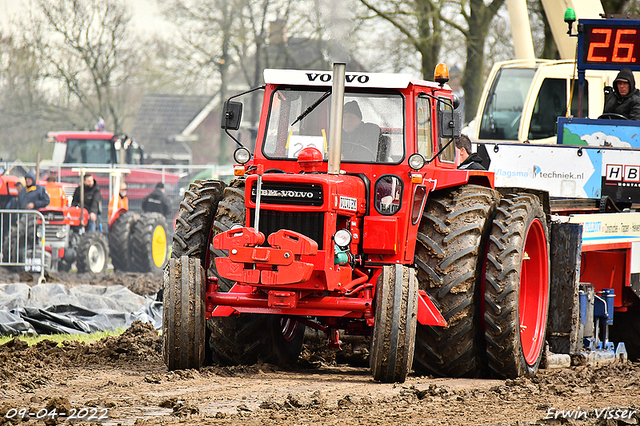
609 44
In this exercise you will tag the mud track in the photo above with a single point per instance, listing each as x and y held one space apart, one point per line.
124 378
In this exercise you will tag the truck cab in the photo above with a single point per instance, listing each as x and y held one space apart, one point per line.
522 99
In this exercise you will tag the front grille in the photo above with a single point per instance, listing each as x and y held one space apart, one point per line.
310 224
56 233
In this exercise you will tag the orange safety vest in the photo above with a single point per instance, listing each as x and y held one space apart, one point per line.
119 203
57 197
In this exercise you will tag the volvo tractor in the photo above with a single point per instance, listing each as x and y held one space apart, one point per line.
383 237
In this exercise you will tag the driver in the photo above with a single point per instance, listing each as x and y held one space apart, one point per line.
356 134
624 99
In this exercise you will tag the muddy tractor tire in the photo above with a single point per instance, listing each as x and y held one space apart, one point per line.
516 298
393 340
93 252
120 242
247 338
149 245
449 255
190 241
183 310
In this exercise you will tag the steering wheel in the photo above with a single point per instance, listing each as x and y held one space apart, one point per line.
356 152
613 116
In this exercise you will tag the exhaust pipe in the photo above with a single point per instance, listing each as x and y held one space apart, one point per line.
335 121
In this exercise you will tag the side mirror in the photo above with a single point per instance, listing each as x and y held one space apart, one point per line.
456 101
231 115
449 123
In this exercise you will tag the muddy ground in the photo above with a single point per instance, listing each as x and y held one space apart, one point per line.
124 380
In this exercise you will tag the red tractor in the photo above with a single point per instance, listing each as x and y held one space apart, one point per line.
380 237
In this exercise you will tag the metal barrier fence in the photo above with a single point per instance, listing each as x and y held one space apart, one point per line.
22 240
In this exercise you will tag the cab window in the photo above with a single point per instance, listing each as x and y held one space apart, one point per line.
550 104
449 153
423 127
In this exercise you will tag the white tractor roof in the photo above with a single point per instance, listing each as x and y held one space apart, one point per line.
353 79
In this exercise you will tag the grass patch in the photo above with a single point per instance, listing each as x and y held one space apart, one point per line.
59 338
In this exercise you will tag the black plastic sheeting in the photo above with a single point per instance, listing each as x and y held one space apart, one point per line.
83 309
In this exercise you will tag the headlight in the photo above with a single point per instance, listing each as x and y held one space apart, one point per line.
242 155
342 238
61 233
416 161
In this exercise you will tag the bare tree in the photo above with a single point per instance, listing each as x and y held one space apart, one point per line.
87 47
418 21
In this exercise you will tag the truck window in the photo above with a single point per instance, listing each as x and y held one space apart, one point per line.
381 132
423 127
585 100
550 104
505 101
90 151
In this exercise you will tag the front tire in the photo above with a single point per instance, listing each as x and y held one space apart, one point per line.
516 295
183 309
449 256
93 252
394 331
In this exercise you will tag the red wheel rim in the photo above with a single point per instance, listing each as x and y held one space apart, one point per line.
534 292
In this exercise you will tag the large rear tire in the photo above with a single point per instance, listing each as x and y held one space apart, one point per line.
516 298
247 338
183 325
120 241
449 256
93 252
149 245
394 332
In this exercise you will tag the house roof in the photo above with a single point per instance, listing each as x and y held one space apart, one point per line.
162 117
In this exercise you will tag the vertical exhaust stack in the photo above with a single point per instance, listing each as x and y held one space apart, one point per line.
335 121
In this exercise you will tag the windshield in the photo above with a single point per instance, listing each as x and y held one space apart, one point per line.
91 151
373 125
505 101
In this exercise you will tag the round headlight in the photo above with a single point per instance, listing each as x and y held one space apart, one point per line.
242 155
342 238
416 161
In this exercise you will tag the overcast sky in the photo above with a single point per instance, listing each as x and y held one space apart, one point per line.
146 15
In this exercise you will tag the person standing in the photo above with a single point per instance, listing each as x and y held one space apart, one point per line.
92 200
119 201
157 202
57 196
32 196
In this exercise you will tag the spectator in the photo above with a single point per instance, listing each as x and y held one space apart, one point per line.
468 160
157 202
13 201
32 196
92 200
57 196
623 98
119 201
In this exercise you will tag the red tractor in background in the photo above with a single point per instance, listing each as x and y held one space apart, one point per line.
384 239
